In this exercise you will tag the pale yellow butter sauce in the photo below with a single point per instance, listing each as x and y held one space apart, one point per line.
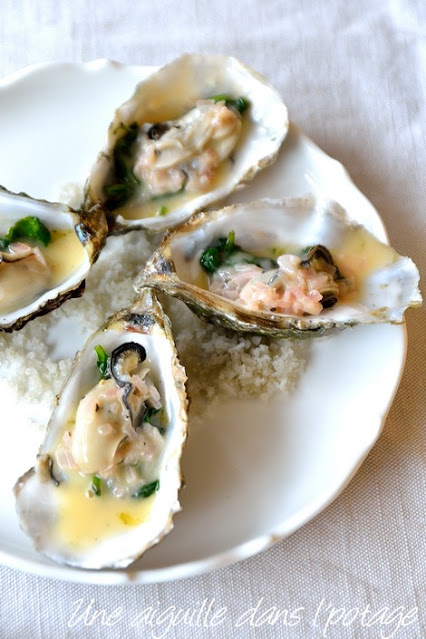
361 254
64 254
84 520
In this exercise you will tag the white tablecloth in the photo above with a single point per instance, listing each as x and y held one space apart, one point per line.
353 75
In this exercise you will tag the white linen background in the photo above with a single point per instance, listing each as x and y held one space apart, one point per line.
353 77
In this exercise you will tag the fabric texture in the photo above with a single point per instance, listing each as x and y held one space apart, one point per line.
353 76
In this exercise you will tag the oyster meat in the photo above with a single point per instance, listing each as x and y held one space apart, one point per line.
46 252
105 485
191 133
292 268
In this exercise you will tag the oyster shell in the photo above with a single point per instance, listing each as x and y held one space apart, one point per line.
379 283
38 272
172 151
105 486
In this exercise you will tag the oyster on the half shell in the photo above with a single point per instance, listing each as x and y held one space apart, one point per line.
190 134
105 485
46 252
292 268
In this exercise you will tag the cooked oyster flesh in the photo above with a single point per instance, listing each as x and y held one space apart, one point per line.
105 433
189 150
166 158
297 285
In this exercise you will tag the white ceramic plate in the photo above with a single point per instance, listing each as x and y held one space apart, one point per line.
254 473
